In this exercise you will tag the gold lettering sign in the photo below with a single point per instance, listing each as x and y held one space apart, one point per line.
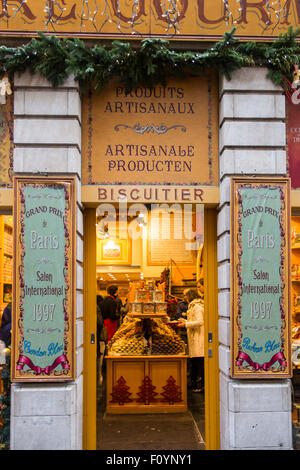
163 135
184 19
92 194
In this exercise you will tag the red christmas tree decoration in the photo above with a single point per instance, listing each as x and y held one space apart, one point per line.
120 393
172 392
147 393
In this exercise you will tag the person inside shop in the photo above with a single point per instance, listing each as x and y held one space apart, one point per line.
124 309
109 311
119 309
200 287
5 329
182 306
101 340
195 335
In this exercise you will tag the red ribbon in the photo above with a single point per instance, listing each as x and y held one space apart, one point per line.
38 370
266 366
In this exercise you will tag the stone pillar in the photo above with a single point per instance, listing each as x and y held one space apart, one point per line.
48 141
254 414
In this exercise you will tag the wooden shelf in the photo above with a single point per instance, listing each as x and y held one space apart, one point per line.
147 315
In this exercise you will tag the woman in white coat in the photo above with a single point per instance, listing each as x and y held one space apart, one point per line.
195 334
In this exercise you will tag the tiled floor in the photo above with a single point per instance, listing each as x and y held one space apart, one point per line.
182 431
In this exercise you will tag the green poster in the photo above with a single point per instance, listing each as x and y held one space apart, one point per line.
261 279
44 276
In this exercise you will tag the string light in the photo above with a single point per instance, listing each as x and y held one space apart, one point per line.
88 14
118 19
51 17
272 9
274 12
172 14
134 16
16 9
228 13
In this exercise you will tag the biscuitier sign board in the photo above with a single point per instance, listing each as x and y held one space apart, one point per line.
260 278
43 300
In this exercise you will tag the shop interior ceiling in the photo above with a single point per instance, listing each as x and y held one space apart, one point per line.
114 273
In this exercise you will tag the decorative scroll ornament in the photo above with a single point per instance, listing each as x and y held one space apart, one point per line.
43 330
162 129
261 328
5 87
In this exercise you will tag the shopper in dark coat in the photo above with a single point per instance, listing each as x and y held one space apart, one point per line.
5 329
182 306
101 339
109 310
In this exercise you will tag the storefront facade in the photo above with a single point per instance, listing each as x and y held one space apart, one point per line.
241 413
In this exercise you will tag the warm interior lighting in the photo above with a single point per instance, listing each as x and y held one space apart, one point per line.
110 245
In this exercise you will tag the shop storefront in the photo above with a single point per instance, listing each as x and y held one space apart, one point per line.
141 184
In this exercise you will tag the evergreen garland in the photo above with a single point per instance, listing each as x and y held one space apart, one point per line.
152 63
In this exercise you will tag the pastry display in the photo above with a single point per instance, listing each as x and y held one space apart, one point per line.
145 337
133 346
165 341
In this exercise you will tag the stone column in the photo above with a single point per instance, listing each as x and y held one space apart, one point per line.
254 414
47 137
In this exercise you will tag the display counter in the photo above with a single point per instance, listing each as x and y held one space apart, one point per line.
146 384
146 365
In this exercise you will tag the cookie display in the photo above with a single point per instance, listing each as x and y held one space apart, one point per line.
145 337
133 346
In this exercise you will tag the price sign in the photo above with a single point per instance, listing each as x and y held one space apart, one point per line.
260 278
43 302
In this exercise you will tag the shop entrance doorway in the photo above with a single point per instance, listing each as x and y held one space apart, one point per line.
136 262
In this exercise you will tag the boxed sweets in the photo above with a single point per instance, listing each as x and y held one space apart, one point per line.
158 296
150 296
136 307
161 307
141 295
149 307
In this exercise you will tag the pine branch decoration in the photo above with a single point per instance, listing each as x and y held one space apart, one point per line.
150 64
